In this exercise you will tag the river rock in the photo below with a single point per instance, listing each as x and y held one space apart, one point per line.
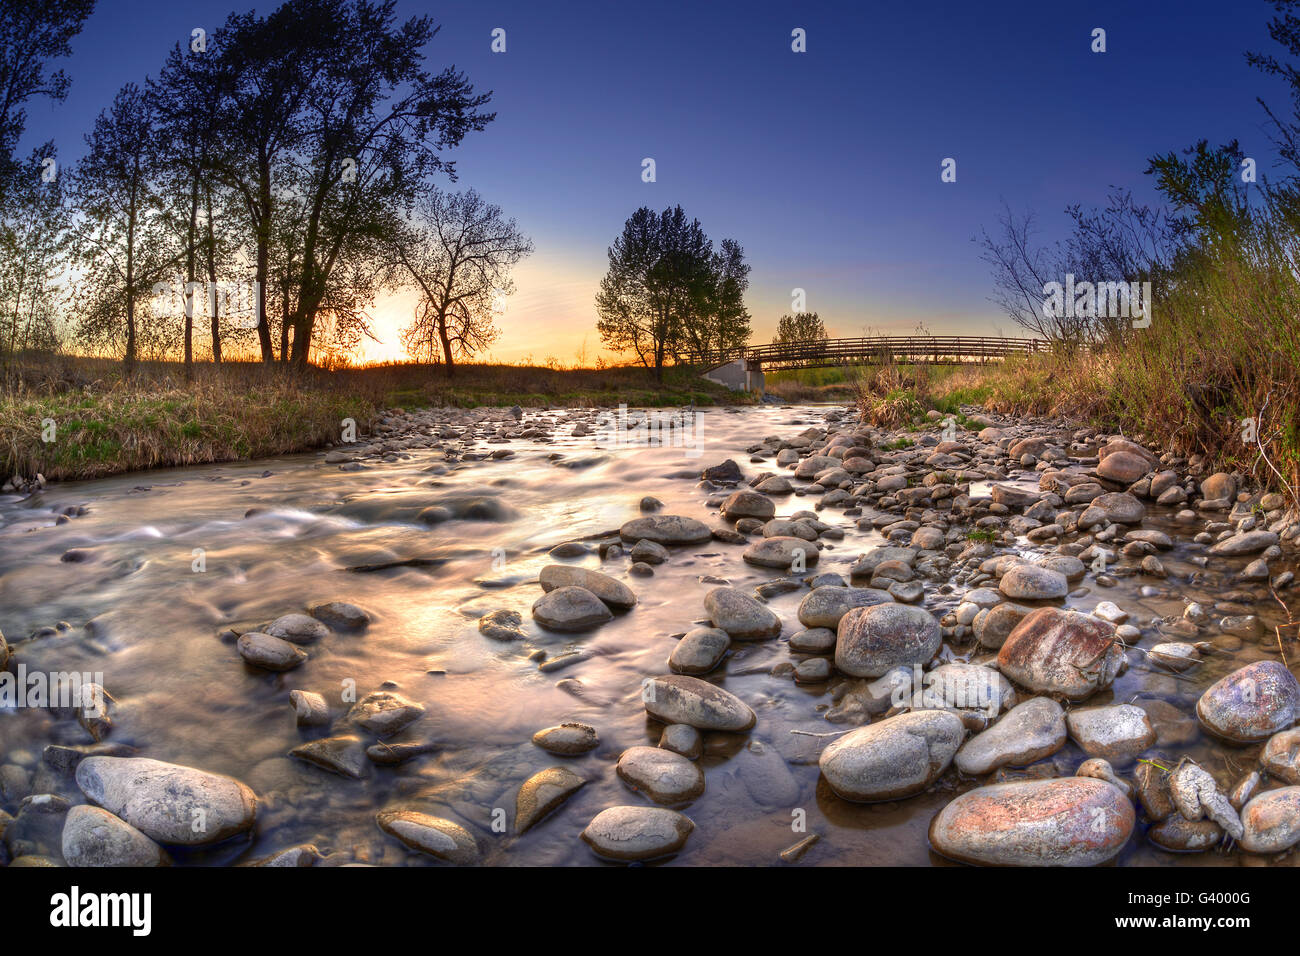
748 504
439 838
269 653
892 759
667 530
1281 756
1118 506
744 618
872 640
166 801
637 833
1248 542
1271 821
1068 821
298 629
1250 704
783 552
614 593
824 606
542 793
1179 835
502 625
992 627
344 755
689 700
1062 653
701 650
340 615
384 713
664 776
1028 732
1123 467
1029 582
309 708
94 837
568 739
1219 486
570 609
1116 734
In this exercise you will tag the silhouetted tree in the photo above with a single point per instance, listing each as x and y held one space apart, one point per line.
803 328
459 250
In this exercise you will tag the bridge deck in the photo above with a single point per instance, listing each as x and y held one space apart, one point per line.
935 349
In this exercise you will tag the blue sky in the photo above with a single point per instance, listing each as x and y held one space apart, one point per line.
824 165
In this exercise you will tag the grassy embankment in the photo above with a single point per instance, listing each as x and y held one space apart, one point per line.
104 425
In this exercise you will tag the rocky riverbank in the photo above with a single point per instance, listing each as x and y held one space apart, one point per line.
973 656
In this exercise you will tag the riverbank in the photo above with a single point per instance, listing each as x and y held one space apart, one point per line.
77 419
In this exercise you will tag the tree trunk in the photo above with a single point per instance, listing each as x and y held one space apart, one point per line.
263 259
212 282
447 355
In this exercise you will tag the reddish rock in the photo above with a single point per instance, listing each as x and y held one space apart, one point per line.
1061 652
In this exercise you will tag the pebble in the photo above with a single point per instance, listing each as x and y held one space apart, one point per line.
1250 704
637 833
269 653
701 650
570 609
568 739
1062 653
439 838
617 595
744 618
1271 821
1028 732
542 793
94 837
1116 734
689 700
665 777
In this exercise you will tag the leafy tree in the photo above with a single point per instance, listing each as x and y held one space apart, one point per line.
459 251
667 292
32 32
803 328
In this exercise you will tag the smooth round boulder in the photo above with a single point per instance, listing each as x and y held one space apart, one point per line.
297 629
743 617
1123 467
567 739
637 833
1029 582
689 700
1027 732
542 793
748 504
782 552
439 838
269 653
892 759
94 837
1271 821
665 777
824 606
613 592
701 650
1116 733
167 802
570 609
1281 756
1068 821
871 641
667 530
1251 704
1063 653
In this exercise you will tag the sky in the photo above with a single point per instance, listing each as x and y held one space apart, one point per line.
824 165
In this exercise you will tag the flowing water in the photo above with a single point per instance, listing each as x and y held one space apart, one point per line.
117 591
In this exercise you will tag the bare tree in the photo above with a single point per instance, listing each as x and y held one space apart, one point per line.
458 250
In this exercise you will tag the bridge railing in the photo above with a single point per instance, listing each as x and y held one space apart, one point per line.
872 349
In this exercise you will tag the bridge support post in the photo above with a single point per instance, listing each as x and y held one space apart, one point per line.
754 377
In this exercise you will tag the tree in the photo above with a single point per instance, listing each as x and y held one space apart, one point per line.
803 328
32 32
667 291
459 251
121 239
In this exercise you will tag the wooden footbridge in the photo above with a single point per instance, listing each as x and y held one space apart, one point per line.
873 350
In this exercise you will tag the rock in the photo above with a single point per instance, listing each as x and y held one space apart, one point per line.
682 739
665 529
1281 756
1116 734
344 755
1218 486
340 616
1176 657
1068 821
309 708
1119 507
542 793
392 754
665 777
744 618
637 833
814 640
1123 467
646 551
1061 653
1029 582
1180 835
298 629
1028 732
502 625
384 713
993 627
94 837
824 606
1250 704
965 687
894 758
1013 497
872 640
782 552
305 854
1249 542
568 740
614 593
689 700
435 836
1196 794
1271 821
726 472
167 802
701 650
570 609
748 504
269 653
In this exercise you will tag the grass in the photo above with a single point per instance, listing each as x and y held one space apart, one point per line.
99 424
